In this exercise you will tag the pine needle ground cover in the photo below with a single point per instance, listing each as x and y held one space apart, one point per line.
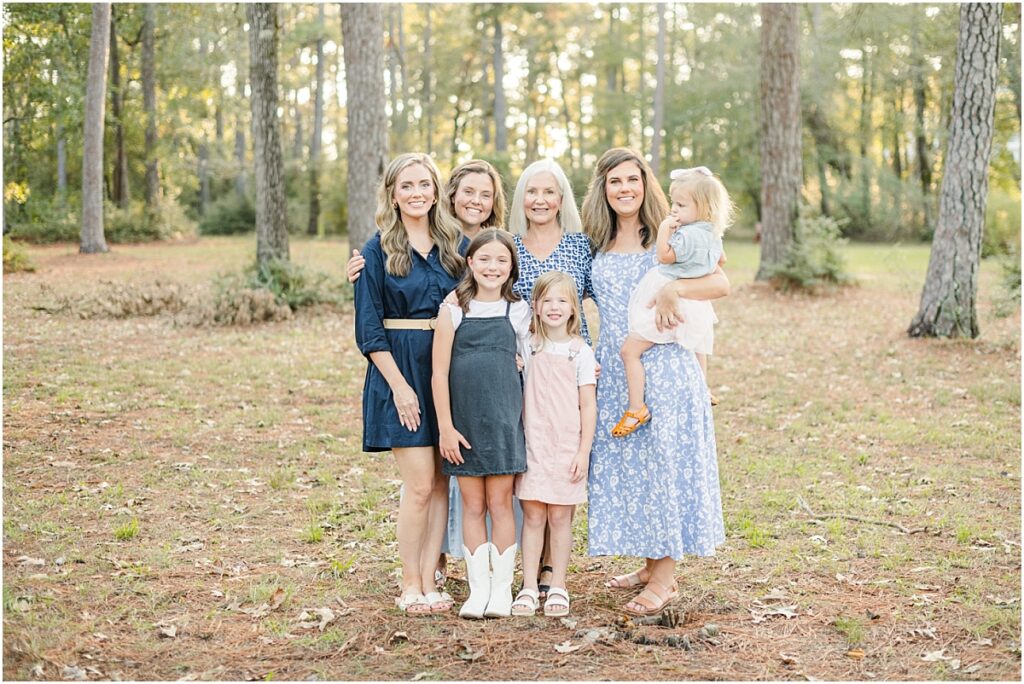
191 502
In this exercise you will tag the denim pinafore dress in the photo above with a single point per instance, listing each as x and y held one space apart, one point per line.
487 398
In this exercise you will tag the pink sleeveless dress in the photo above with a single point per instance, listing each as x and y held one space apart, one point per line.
551 420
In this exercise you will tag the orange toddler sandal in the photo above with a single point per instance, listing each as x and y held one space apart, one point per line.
630 421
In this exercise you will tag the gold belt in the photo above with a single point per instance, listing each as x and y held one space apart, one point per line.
410 323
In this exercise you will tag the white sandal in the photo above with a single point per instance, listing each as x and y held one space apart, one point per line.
526 603
557 604
408 603
439 601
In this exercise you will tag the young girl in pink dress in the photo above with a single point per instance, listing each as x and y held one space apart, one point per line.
559 417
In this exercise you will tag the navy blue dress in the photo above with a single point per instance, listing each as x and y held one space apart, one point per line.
379 295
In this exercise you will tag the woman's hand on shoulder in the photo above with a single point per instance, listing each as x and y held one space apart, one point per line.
355 266
452 299
449 444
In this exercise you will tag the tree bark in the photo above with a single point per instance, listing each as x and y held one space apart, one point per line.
92 239
204 176
428 77
271 217
924 167
318 127
149 104
659 93
500 130
62 164
948 302
116 105
781 170
240 166
362 37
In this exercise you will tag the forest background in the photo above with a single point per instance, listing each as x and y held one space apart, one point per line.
184 493
571 80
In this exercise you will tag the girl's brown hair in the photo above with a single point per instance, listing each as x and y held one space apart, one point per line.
466 289
444 228
545 283
600 223
497 217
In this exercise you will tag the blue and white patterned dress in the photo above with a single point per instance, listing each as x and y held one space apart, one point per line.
654 493
572 255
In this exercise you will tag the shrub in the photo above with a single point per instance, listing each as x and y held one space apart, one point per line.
814 258
294 285
229 215
1002 223
15 257
43 221
128 300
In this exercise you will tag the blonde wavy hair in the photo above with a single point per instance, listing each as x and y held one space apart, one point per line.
544 284
568 215
709 195
444 228
497 217
600 223
466 289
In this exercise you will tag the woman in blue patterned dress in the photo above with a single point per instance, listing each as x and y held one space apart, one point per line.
546 225
411 264
655 493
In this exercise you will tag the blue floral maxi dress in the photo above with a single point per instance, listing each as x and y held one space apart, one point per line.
654 493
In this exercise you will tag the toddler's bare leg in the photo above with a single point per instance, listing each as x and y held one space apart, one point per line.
632 349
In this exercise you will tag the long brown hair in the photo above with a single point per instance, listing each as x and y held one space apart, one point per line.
600 223
497 217
444 228
550 281
466 289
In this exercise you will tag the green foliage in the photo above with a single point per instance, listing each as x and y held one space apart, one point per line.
814 257
44 221
229 215
127 531
851 628
1002 222
295 286
15 257
135 224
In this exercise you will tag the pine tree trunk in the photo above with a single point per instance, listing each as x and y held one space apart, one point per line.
240 165
659 93
92 239
271 217
428 77
62 164
948 302
318 127
116 106
204 176
924 167
362 38
149 104
500 131
781 170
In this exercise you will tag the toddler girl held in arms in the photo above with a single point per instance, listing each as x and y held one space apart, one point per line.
689 245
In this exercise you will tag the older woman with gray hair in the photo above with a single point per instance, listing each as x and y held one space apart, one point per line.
548 230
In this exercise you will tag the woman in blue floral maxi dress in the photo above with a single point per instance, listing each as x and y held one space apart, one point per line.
655 493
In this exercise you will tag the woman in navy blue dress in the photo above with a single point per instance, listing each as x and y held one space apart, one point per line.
411 264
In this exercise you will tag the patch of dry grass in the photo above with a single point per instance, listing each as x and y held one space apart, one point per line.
236 453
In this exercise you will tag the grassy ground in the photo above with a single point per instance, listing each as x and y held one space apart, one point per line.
175 498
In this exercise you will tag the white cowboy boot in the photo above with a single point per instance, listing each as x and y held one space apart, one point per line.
503 568
478 573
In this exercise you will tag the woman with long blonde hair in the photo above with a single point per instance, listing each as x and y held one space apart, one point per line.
411 264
